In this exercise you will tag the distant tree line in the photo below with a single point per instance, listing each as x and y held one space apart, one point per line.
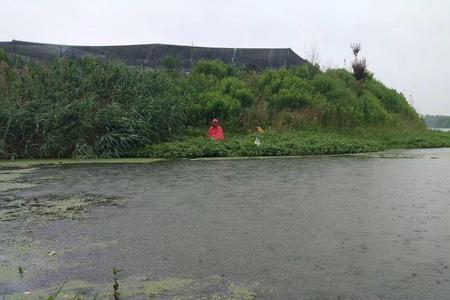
437 121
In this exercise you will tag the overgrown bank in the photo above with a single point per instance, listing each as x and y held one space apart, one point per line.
297 143
88 109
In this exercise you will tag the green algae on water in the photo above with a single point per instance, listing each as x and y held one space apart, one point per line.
8 273
11 179
9 186
154 288
240 293
134 288
51 208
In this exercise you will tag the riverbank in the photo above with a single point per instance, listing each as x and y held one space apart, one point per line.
300 143
297 144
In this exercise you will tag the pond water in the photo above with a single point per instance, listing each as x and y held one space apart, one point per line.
371 226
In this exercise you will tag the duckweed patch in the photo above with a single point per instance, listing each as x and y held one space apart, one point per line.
52 207
72 290
16 171
240 293
35 295
9 186
134 288
215 287
11 179
155 288
8 273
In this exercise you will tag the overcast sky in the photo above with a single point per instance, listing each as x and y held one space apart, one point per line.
406 42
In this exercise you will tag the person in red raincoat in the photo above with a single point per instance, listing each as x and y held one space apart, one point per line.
215 131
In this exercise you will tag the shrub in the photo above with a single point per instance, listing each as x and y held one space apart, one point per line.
171 62
214 68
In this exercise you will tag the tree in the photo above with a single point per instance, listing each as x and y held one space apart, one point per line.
359 65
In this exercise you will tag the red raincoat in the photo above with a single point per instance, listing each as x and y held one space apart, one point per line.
215 131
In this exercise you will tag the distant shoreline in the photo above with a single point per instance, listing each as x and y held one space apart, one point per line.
441 129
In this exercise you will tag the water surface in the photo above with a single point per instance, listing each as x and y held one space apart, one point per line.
372 226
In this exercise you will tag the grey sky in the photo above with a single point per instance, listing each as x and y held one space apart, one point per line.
406 42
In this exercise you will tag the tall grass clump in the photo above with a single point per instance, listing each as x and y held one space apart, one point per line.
84 108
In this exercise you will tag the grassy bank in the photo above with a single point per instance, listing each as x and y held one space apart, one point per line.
394 139
297 143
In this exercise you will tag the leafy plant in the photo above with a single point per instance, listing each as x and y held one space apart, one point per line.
54 296
171 62
116 293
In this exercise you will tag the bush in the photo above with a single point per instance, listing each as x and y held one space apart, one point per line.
238 90
214 68
172 62
374 112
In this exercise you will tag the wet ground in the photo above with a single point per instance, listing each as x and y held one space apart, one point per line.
372 226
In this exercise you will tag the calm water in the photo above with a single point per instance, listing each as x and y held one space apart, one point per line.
441 129
355 227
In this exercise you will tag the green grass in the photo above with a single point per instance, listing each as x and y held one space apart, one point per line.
411 139
401 139
297 143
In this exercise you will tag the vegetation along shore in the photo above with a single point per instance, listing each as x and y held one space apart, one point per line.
83 108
